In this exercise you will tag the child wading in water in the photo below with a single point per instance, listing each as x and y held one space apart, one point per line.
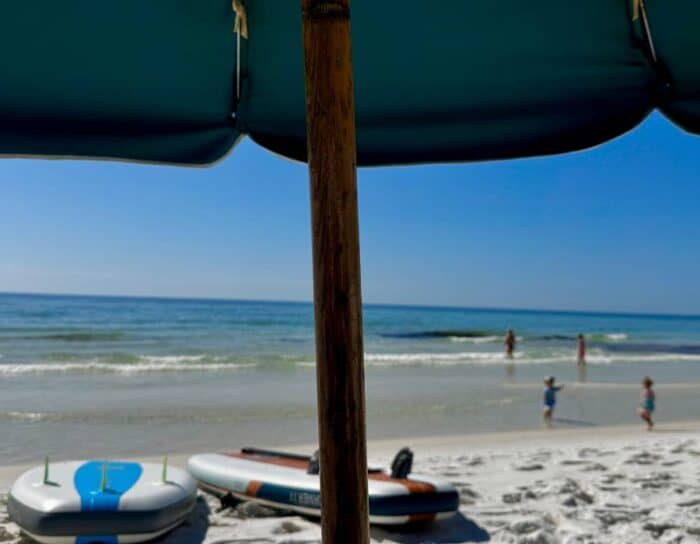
550 399
648 402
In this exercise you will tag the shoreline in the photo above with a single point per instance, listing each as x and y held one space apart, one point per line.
479 442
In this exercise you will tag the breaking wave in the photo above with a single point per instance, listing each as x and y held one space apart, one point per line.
475 358
144 364
124 364
596 357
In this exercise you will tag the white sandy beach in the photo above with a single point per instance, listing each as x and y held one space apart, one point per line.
599 484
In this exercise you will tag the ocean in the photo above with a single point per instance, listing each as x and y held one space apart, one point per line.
113 376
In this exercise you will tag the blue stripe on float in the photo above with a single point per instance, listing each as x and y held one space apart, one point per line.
96 539
88 482
392 505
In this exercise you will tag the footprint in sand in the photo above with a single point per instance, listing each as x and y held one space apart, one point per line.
689 503
672 463
475 461
287 527
529 467
612 478
655 480
466 492
588 452
608 516
658 529
533 530
6 536
249 510
594 467
643 458
512 498
682 447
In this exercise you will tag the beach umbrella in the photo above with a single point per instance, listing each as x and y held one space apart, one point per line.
181 81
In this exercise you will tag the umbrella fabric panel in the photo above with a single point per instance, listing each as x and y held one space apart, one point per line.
453 80
674 28
144 80
458 80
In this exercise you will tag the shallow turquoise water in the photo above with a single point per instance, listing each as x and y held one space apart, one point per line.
96 375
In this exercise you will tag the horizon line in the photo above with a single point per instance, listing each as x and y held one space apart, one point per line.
368 304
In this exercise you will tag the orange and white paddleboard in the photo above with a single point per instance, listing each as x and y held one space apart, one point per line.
281 480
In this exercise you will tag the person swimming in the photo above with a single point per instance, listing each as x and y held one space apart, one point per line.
647 403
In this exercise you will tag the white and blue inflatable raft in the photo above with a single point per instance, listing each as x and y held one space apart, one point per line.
284 481
84 502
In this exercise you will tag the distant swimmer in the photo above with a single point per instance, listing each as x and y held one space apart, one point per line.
647 403
581 358
510 343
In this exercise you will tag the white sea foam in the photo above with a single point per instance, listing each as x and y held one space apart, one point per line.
521 358
642 358
475 340
202 363
173 359
149 365
616 336
26 416
392 359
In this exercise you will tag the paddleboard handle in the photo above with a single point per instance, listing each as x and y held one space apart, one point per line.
46 470
272 453
103 481
164 476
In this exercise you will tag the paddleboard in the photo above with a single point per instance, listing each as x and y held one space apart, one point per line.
282 481
85 502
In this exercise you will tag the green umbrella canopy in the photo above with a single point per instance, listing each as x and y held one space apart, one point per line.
452 80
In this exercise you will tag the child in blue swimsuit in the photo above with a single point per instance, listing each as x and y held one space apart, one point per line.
550 399
647 402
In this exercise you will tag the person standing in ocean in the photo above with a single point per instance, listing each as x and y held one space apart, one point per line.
647 402
581 358
510 343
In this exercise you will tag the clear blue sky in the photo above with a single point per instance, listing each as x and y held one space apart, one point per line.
613 228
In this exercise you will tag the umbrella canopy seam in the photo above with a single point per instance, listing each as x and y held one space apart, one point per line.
663 87
240 29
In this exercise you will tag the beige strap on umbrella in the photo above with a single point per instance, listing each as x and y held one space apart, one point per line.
240 28
639 11
637 6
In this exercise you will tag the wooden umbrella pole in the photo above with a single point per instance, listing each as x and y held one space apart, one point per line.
330 114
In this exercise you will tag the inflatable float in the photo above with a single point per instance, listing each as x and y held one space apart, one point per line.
84 502
291 482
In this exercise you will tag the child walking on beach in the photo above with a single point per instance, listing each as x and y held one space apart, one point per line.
648 402
550 399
